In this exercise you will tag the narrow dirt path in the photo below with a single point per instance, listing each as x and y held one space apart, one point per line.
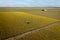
27 33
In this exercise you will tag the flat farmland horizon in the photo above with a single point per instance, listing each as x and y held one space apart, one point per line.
51 12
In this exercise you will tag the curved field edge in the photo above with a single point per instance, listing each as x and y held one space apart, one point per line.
51 33
13 23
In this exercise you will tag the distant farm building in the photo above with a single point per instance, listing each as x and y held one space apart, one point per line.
44 10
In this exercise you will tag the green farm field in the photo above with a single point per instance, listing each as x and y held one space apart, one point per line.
17 21
13 23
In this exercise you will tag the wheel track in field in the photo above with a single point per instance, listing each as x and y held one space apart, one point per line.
32 31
